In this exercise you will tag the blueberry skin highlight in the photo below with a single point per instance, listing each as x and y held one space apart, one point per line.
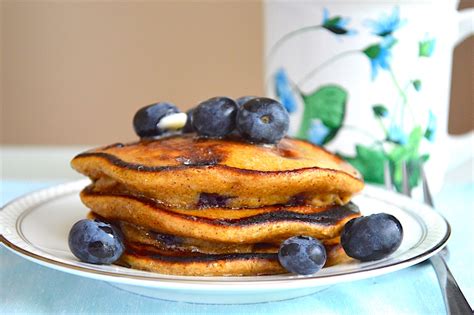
146 119
302 255
96 242
262 120
372 237
215 117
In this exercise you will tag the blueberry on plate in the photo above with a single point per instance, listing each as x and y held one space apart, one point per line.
146 120
215 117
303 255
262 120
244 99
372 237
188 127
95 242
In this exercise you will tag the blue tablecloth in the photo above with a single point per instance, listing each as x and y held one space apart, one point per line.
27 287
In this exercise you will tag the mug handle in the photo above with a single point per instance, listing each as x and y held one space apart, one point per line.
465 24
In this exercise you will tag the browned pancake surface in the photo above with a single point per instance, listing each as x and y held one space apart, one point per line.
149 258
180 170
273 226
170 254
135 234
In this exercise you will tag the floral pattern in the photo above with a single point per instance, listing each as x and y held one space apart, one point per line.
379 55
336 24
325 107
396 135
318 132
426 47
387 23
283 90
431 128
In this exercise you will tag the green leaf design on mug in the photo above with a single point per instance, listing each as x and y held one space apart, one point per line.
410 149
333 25
327 104
426 47
408 153
416 85
369 162
380 110
429 134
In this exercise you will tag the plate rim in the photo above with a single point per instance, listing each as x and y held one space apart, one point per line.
211 282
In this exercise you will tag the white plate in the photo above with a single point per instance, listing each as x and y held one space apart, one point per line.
36 226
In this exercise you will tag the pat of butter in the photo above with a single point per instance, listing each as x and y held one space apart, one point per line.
173 121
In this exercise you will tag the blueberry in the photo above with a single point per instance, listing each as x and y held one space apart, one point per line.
145 121
215 117
188 127
303 255
262 120
372 237
96 242
244 99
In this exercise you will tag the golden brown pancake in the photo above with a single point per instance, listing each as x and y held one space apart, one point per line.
137 234
169 254
194 206
190 172
150 258
271 225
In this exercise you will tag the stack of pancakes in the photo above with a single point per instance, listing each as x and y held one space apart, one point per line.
196 206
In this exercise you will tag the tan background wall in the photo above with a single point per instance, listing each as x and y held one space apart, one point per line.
75 72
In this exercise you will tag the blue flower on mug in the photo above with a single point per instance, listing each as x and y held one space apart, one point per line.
284 90
431 128
336 24
396 135
318 132
379 55
386 24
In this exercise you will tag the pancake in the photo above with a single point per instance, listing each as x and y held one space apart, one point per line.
213 207
272 225
136 234
169 254
189 172
149 258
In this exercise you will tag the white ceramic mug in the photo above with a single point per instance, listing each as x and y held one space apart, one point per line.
368 79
